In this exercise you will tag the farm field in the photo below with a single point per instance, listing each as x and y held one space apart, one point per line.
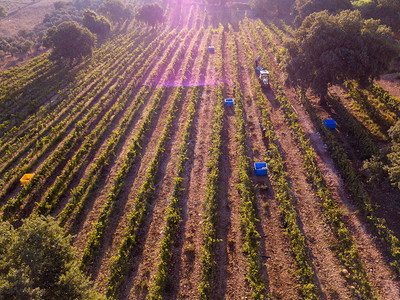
135 154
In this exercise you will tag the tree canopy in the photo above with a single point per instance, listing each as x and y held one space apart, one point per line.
264 8
69 40
388 11
37 262
151 14
95 23
329 49
116 11
61 4
306 7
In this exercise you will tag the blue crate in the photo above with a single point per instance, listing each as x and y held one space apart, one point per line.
330 123
260 169
228 102
211 49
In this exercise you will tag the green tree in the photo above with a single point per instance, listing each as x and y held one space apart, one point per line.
3 11
393 4
306 7
387 11
279 8
69 40
329 49
114 10
151 14
60 4
38 262
95 23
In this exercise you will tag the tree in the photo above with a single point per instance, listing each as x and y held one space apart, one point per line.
3 11
69 40
58 5
306 7
393 4
152 14
38 262
95 23
264 8
113 10
329 49
387 11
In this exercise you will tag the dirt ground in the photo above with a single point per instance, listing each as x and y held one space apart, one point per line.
391 83
24 16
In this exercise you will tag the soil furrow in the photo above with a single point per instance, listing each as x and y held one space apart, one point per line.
191 238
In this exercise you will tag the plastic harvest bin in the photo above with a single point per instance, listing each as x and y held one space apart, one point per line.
330 123
228 102
26 178
260 168
211 49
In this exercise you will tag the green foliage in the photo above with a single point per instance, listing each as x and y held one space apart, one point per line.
19 44
393 167
37 262
70 40
375 169
305 8
151 14
3 11
388 11
115 11
360 138
329 49
248 206
95 23
61 4
263 8
210 204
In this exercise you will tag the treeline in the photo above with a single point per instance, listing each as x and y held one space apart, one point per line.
96 15
387 11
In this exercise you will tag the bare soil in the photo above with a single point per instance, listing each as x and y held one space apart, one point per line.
24 16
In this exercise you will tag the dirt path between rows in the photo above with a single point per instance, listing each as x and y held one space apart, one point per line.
278 256
188 266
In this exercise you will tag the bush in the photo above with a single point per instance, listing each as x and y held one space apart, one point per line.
69 40
38 262
151 14
95 23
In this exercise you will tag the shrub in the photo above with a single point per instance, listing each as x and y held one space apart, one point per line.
37 262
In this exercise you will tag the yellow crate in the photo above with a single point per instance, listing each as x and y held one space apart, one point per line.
26 178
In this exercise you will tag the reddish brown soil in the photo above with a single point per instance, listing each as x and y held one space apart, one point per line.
188 266
25 17
232 261
275 244
391 83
